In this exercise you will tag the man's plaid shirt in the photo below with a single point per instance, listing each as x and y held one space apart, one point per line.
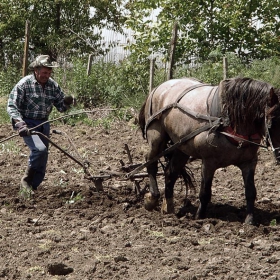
28 99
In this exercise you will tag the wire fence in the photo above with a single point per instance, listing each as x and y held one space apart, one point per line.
117 44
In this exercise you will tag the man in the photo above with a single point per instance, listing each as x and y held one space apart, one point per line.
29 105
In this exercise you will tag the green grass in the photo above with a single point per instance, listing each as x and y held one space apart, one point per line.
273 223
26 194
74 198
9 147
4 117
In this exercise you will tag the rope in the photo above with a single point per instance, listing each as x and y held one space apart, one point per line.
174 146
56 119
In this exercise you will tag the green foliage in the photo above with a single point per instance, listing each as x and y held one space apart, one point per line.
7 81
251 30
26 193
211 71
123 87
267 70
8 78
74 198
4 117
58 28
9 147
117 85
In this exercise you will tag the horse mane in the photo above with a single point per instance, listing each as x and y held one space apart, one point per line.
244 100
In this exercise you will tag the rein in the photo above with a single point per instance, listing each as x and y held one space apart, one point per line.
213 122
276 151
56 119
174 146
240 139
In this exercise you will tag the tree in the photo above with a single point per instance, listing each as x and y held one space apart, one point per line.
248 28
58 27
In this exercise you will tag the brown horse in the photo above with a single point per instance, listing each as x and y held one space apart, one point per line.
222 125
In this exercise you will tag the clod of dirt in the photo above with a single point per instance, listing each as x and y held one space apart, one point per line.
69 230
59 269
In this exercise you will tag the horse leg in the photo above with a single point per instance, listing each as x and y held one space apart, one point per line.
172 172
151 198
158 141
248 175
207 174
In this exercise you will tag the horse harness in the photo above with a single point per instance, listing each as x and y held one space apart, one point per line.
214 122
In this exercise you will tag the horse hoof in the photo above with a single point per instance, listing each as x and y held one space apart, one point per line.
249 220
167 206
150 202
199 216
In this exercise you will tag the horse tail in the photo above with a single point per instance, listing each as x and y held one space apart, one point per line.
141 119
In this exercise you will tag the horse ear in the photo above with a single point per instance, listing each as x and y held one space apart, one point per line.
273 98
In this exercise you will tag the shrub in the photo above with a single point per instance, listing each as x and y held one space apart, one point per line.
125 85
8 78
117 85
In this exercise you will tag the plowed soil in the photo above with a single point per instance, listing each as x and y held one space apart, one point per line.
70 229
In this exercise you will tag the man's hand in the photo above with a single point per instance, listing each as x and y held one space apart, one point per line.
69 100
22 129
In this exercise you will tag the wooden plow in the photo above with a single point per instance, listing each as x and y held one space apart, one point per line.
126 172
131 171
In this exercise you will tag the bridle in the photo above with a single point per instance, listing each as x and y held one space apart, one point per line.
276 151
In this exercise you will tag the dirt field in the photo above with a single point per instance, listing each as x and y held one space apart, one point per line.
68 230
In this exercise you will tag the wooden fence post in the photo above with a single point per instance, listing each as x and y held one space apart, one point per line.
172 51
26 47
152 72
89 64
225 67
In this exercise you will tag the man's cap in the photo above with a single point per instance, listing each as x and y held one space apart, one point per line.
43 60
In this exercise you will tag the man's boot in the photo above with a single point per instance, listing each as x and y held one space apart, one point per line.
26 180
